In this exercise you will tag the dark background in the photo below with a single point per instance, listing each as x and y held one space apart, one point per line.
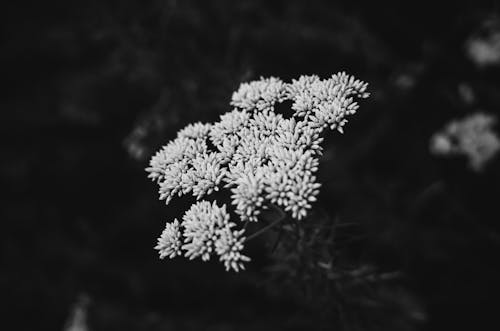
93 88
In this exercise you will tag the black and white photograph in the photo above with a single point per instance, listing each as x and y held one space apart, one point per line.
250 165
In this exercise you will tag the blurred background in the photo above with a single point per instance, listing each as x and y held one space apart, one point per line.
93 89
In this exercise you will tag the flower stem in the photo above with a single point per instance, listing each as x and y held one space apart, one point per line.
267 227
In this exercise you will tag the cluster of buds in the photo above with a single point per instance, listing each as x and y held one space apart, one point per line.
264 158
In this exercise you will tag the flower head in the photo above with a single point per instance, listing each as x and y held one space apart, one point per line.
262 157
259 95
228 246
170 241
201 223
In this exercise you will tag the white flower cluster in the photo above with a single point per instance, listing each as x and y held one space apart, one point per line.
207 229
261 156
472 136
483 48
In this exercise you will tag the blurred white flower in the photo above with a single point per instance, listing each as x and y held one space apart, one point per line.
262 157
483 47
484 51
472 136
78 317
